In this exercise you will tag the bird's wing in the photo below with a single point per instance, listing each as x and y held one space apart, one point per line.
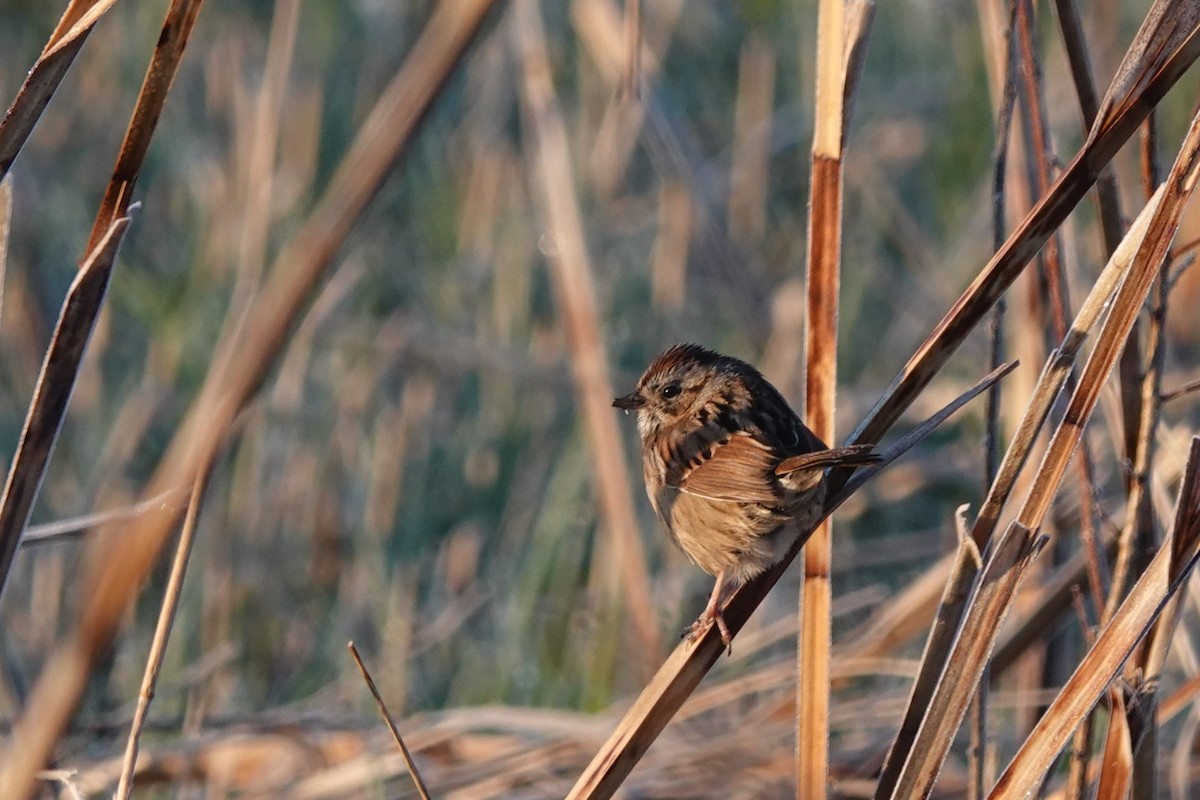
739 469
851 455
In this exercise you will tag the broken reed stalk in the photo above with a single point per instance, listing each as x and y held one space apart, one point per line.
980 626
1050 382
56 381
162 634
391 723
118 570
1165 575
841 30
571 272
47 73
60 369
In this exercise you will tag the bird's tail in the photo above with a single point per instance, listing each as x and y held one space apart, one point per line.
851 456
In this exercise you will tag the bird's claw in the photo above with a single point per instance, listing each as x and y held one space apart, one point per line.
706 621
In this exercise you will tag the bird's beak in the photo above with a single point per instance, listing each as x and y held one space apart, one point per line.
629 402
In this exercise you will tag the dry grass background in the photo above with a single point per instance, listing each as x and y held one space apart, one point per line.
415 465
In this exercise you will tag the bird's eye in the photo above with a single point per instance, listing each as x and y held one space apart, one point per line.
670 390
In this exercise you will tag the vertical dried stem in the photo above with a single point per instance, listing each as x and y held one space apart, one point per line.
841 31
572 276
162 634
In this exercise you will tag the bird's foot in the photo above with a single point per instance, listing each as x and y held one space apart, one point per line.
704 622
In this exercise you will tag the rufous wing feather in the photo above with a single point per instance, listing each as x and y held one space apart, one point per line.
737 469
852 455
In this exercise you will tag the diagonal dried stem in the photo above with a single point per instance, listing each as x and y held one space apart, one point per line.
834 36
162 633
1168 42
973 644
1050 383
45 76
56 381
1166 573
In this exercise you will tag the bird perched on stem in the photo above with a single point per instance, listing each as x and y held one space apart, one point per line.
728 465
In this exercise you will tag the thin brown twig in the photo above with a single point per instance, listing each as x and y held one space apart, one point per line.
387 717
1112 230
162 634
1186 389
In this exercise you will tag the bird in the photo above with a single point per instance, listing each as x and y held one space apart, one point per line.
731 470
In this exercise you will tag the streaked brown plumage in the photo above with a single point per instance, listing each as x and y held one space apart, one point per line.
727 463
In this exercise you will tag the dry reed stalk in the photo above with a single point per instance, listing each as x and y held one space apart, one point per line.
60 370
115 574
1139 537
823 279
162 633
257 168
1111 227
678 677
571 271
1165 575
387 717
1080 63
1051 308
942 638
981 624
841 31
160 74
47 73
